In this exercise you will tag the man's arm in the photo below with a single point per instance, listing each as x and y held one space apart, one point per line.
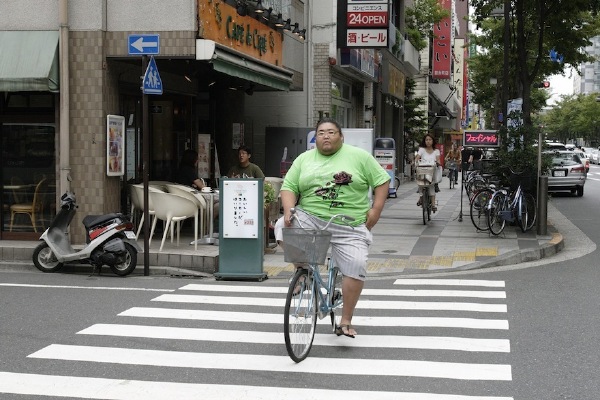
288 201
380 194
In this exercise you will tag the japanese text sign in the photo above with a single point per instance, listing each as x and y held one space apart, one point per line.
481 138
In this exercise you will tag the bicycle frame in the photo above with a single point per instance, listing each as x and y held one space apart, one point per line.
325 304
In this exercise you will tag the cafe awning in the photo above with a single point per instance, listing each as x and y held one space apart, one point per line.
29 61
240 66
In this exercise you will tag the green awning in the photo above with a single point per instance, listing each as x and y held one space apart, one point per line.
29 61
244 68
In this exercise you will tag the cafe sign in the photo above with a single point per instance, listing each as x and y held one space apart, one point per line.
221 23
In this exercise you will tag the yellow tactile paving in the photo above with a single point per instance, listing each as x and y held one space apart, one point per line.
486 252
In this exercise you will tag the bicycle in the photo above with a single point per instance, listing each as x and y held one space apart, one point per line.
309 295
425 180
504 206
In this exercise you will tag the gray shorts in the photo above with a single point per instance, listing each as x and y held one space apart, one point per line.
349 246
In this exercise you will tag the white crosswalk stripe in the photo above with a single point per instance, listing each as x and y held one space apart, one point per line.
473 346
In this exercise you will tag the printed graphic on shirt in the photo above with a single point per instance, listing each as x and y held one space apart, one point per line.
332 189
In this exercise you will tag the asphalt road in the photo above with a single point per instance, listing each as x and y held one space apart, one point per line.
528 331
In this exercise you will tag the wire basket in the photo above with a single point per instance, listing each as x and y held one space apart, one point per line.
527 182
305 245
425 174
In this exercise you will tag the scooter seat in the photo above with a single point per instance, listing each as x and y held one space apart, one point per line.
94 220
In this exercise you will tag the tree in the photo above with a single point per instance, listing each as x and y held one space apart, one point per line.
415 118
535 28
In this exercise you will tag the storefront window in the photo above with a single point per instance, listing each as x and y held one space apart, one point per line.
28 176
341 105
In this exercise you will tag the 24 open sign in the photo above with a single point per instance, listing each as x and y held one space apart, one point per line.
481 138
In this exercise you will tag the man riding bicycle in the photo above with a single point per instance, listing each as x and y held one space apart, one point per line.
331 179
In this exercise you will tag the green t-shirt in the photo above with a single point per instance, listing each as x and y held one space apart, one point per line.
336 184
250 171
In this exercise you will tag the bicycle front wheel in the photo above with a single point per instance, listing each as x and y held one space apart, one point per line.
495 220
300 316
425 205
479 209
522 212
337 301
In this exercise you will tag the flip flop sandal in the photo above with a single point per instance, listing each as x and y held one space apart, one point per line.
339 330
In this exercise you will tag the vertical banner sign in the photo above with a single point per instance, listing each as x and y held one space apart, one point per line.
442 45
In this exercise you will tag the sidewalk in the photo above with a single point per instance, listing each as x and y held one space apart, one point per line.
402 244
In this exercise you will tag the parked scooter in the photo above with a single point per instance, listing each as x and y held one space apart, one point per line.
110 240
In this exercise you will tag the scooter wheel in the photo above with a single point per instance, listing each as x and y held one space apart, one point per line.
126 267
44 259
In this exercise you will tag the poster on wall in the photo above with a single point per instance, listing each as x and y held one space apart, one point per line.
115 149
241 198
203 156
237 136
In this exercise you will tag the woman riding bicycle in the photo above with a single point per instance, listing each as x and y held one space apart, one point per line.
453 160
331 179
428 154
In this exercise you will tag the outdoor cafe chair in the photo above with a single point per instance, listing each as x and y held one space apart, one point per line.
173 209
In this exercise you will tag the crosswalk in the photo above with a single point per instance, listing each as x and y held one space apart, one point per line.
419 339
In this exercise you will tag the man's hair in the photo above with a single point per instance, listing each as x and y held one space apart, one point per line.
246 149
330 121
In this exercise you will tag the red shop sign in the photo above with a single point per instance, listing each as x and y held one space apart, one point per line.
481 138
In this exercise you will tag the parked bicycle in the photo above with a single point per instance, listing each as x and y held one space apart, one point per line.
309 295
511 206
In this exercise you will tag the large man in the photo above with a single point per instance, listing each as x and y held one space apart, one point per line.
334 178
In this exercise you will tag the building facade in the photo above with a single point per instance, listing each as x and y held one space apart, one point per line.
231 73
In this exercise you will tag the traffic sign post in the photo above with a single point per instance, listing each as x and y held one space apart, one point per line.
145 45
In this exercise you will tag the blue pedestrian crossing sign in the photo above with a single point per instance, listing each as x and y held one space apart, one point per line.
152 82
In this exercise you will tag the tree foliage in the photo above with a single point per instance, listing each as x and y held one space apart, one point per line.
573 118
536 27
420 19
415 118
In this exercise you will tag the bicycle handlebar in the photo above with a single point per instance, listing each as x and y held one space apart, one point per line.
342 217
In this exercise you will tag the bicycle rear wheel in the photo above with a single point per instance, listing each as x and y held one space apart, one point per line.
300 316
478 209
495 221
336 297
531 210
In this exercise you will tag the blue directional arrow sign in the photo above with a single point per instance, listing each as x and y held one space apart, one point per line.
152 82
143 44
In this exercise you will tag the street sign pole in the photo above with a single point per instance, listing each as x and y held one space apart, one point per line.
145 169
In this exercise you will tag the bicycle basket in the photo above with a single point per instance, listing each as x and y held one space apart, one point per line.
527 182
305 245
425 174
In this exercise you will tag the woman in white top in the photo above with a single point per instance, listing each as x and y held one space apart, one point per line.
428 154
